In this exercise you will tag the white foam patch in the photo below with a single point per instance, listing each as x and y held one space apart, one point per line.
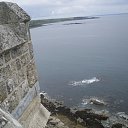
84 82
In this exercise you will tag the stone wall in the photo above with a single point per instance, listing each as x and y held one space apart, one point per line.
18 76
19 87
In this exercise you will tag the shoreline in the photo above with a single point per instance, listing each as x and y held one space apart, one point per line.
84 117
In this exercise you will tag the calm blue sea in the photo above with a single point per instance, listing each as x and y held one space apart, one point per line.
78 60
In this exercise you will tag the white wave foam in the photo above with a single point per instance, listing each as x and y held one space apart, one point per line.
84 82
44 94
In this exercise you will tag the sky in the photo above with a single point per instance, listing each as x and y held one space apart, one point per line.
68 8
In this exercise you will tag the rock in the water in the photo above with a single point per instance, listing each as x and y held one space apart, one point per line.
117 125
97 101
123 115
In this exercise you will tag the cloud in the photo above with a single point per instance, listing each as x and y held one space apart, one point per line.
65 8
67 2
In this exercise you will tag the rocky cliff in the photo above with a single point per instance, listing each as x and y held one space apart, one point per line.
19 87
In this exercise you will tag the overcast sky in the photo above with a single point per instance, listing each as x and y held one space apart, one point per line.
66 8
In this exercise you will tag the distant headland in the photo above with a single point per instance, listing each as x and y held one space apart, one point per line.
42 22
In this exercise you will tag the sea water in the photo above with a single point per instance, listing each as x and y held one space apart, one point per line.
84 59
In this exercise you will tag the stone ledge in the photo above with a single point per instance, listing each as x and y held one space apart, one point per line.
24 103
35 116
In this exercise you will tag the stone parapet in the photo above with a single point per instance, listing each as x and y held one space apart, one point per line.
14 26
12 13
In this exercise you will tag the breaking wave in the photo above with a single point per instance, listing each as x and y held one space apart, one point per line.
84 82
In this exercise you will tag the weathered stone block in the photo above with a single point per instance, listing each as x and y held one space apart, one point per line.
11 83
24 88
20 29
16 51
13 66
3 92
2 75
5 105
21 76
1 60
10 16
7 71
8 38
3 120
18 64
13 101
2 14
24 47
31 75
7 56
31 50
25 59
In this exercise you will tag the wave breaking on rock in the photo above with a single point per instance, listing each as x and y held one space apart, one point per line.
84 82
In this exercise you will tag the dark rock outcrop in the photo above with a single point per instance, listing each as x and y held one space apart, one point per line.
85 117
117 125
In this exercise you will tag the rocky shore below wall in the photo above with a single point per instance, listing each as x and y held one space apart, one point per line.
64 117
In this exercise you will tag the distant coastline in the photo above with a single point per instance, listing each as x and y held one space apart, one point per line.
42 22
